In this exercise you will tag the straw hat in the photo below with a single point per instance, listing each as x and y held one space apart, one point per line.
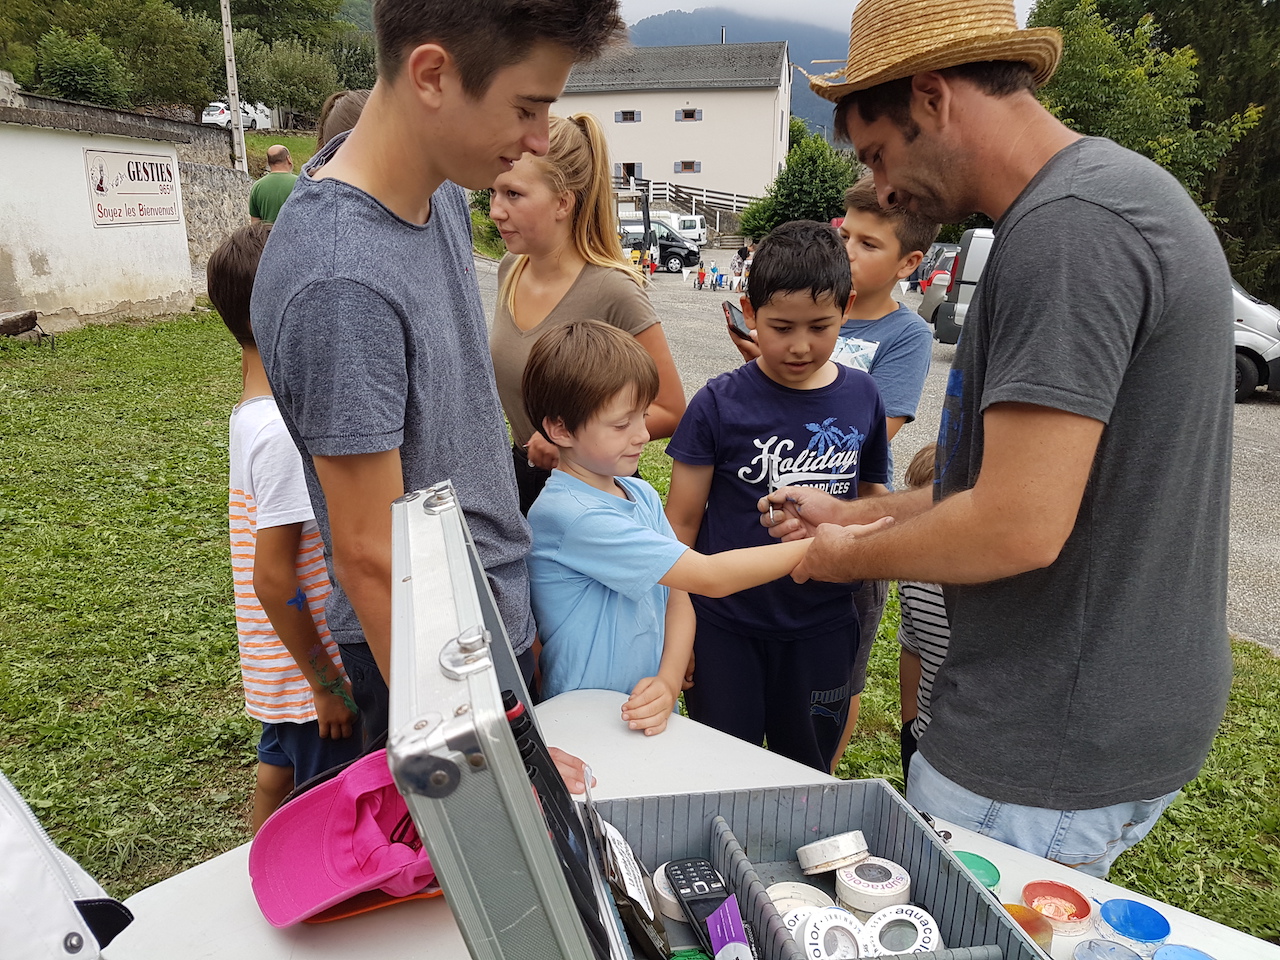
892 39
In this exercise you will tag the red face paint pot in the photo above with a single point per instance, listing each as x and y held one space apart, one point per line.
1066 908
1035 924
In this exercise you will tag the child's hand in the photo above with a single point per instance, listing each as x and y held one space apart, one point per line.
334 716
688 672
650 706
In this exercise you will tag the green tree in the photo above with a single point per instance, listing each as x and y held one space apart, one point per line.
1118 83
298 77
810 187
1237 43
22 24
797 130
309 20
81 69
165 51
354 56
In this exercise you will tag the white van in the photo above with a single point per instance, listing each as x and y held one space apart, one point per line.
691 226
948 318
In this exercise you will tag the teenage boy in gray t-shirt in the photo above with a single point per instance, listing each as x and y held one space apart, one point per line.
367 310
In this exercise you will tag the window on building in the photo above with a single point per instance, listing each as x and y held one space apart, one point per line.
626 116
688 166
687 115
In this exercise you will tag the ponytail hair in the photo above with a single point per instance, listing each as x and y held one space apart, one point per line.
577 161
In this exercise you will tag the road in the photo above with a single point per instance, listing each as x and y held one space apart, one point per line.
694 325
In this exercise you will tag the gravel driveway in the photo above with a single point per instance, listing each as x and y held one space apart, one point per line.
694 325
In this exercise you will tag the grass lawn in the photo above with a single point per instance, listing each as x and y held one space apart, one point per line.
301 146
120 698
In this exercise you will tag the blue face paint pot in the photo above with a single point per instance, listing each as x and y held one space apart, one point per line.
1102 950
1176 951
1137 926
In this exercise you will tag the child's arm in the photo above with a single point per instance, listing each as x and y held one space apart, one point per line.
653 698
721 574
275 581
866 489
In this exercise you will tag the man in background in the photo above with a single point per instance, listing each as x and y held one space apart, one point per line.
269 194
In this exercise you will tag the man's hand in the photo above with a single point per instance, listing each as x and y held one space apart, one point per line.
333 715
542 452
650 706
572 770
824 558
794 513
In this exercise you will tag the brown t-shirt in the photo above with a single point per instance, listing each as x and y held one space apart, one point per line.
599 293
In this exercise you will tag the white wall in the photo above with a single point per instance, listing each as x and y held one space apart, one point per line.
52 257
740 141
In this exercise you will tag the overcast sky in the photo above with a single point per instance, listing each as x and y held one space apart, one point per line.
827 13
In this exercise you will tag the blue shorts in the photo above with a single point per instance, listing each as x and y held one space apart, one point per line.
299 745
1086 840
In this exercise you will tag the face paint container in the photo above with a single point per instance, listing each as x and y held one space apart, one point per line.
983 870
1140 928
1066 908
1035 924
788 895
1176 951
872 885
1102 950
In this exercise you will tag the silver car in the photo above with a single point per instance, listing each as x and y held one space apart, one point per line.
1257 335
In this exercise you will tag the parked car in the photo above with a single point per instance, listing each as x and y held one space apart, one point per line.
1257 336
691 226
253 116
674 251
943 264
948 318
934 296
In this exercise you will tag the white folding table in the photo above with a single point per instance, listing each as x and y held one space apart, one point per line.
209 910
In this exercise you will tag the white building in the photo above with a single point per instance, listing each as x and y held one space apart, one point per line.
711 116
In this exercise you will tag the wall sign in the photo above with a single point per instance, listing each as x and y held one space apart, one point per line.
127 189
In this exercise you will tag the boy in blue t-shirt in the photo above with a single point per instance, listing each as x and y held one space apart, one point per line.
608 579
774 663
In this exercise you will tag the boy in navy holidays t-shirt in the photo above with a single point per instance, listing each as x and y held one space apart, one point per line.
608 579
774 663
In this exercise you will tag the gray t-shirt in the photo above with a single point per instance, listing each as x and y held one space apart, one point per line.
1102 678
373 336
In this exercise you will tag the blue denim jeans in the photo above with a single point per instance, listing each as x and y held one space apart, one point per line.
1086 840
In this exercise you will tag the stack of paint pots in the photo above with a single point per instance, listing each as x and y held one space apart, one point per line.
872 915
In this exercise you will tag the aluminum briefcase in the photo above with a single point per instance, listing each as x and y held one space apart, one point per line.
455 759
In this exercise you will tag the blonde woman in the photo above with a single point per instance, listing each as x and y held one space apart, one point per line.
565 262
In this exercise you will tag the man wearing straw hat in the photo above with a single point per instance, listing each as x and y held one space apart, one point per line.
1080 510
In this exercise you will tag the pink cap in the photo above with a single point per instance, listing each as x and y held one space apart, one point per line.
349 834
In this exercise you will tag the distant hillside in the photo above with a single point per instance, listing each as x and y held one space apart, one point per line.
806 43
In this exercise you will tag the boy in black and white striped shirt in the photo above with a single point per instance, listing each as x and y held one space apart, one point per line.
924 633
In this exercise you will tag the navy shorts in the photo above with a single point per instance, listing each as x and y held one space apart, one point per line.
368 690
776 692
299 745
868 606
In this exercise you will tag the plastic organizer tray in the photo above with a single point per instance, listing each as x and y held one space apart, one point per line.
751 836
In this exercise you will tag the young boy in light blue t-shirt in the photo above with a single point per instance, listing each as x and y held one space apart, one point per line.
608 579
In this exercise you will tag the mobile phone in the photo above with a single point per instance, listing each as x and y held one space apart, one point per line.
699 890
737 323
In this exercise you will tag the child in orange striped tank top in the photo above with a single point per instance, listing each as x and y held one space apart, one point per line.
293 678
